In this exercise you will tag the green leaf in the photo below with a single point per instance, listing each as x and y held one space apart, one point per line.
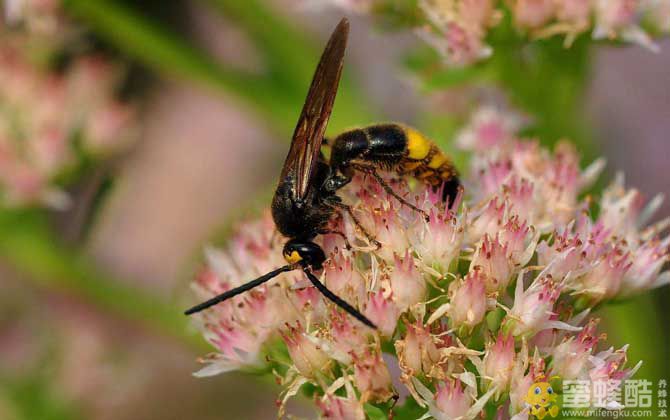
33 397
374 413
291 57
278 93
409 410
170 55
434 74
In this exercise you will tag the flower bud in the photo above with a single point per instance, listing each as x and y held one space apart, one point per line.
491 260
307 356
372 377
533 308
340 408
382 312
451 399
407 283
468 302
499 361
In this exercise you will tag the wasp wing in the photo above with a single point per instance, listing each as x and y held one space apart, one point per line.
308 135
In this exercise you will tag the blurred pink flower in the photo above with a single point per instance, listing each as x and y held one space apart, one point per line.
48 117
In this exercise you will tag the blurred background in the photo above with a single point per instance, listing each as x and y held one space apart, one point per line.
91 297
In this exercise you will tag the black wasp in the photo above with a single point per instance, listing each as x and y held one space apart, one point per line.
306 197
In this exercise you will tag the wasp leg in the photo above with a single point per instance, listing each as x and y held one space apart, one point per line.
340 205
337 300
275 231
373 171
338 233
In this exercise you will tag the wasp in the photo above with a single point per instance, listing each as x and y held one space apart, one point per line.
306 196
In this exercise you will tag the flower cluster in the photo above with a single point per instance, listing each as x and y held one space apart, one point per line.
51 115
36 16
459 28
472 306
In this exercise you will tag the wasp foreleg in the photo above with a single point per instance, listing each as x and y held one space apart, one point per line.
336 203
371 170
338 233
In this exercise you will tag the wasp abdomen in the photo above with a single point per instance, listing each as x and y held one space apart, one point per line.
382 145
425 160
399 148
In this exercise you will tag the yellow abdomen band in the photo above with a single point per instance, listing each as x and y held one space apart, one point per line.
417 145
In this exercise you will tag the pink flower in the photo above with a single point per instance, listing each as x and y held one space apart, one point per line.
565 255
468 302
340 408
532 14
477 13
382 312
496 224
619 19
533 308
109 127
570 358
418 352
519 192
308 357
43 111
520 241
609 365
494 177
459 41
342 278
347 337
487 221
407 283
496 367
574 17
372 377
438 241
604 280
388 230
646 263
492 261
451 399
489 129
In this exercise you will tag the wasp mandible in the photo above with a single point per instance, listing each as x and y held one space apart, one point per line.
306 196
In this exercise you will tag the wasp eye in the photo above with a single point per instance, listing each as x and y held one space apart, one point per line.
550 391
537 390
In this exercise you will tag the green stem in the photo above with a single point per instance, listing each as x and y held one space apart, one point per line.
637 322
549 81
163 51
277 94
291 56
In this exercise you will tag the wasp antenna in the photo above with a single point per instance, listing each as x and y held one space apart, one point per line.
240 289
337 300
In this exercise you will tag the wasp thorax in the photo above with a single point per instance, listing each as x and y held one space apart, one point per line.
304 252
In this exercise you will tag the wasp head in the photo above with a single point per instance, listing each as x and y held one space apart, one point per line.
305 253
